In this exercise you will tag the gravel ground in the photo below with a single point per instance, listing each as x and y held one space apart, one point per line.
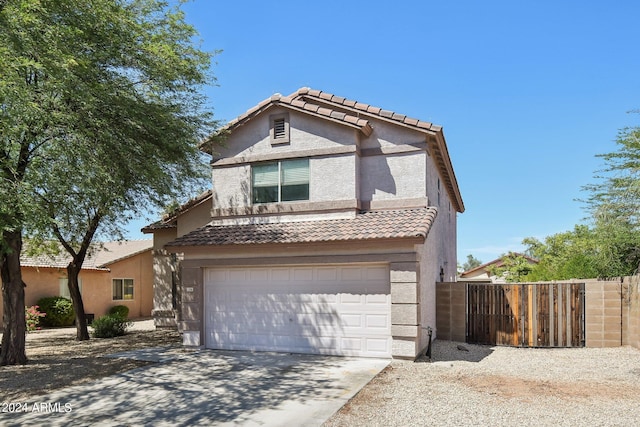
502 386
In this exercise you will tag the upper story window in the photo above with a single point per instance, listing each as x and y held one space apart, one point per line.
281 181
279 131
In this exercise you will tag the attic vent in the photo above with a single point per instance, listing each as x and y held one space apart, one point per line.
279 130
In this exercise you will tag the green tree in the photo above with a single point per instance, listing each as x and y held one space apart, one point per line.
514 267
568 255
100 113
614 204
471 262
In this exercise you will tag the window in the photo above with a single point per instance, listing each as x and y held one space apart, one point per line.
122 289
64 287
281 181
279 131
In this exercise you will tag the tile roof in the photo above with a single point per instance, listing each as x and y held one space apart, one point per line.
302 105
100 259
308 94
391 224
170 220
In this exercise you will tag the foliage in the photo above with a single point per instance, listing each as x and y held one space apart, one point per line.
614 205
110 326
59 311
568 255
514 267
119 310
470 263
32 316
100 115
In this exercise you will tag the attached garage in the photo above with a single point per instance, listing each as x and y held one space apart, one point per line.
323 309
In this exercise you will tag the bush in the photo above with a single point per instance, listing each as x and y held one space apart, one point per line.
119 310
110 326
32 316
58 310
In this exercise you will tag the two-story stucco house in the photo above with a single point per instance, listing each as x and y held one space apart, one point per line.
328 225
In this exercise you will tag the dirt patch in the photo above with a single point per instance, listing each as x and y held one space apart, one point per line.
57 360
502 386
527 390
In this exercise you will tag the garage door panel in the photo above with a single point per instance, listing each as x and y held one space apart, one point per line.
376 321
373 299
343 310
377 345
352 344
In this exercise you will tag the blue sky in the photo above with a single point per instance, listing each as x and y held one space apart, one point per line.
527 92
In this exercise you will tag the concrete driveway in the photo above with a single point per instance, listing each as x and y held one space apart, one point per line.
206 387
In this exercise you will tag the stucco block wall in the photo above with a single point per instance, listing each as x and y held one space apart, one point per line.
631 312
163 312
192 305
603 314
451 309
404 278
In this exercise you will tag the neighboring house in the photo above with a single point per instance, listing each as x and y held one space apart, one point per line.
482 273
119 273
328 225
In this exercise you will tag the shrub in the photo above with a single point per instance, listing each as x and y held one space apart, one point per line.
59 311
119 310
32 316
110 326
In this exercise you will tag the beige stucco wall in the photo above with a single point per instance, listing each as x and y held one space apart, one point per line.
140 269
163 264
96 285
387 135
390 164
306 133
194 218
393 176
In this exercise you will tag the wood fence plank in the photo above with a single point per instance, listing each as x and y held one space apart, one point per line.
533 315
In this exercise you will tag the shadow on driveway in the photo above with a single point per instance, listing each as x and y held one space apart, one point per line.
208 388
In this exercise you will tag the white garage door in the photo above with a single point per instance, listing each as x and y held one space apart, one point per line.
341 310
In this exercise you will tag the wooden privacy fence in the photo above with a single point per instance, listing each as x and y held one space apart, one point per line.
526 314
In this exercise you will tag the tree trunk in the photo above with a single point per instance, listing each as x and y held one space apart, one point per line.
12 351
82 332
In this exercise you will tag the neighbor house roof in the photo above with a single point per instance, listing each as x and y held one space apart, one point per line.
100 258
170 220
390 224
354 114
498 262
